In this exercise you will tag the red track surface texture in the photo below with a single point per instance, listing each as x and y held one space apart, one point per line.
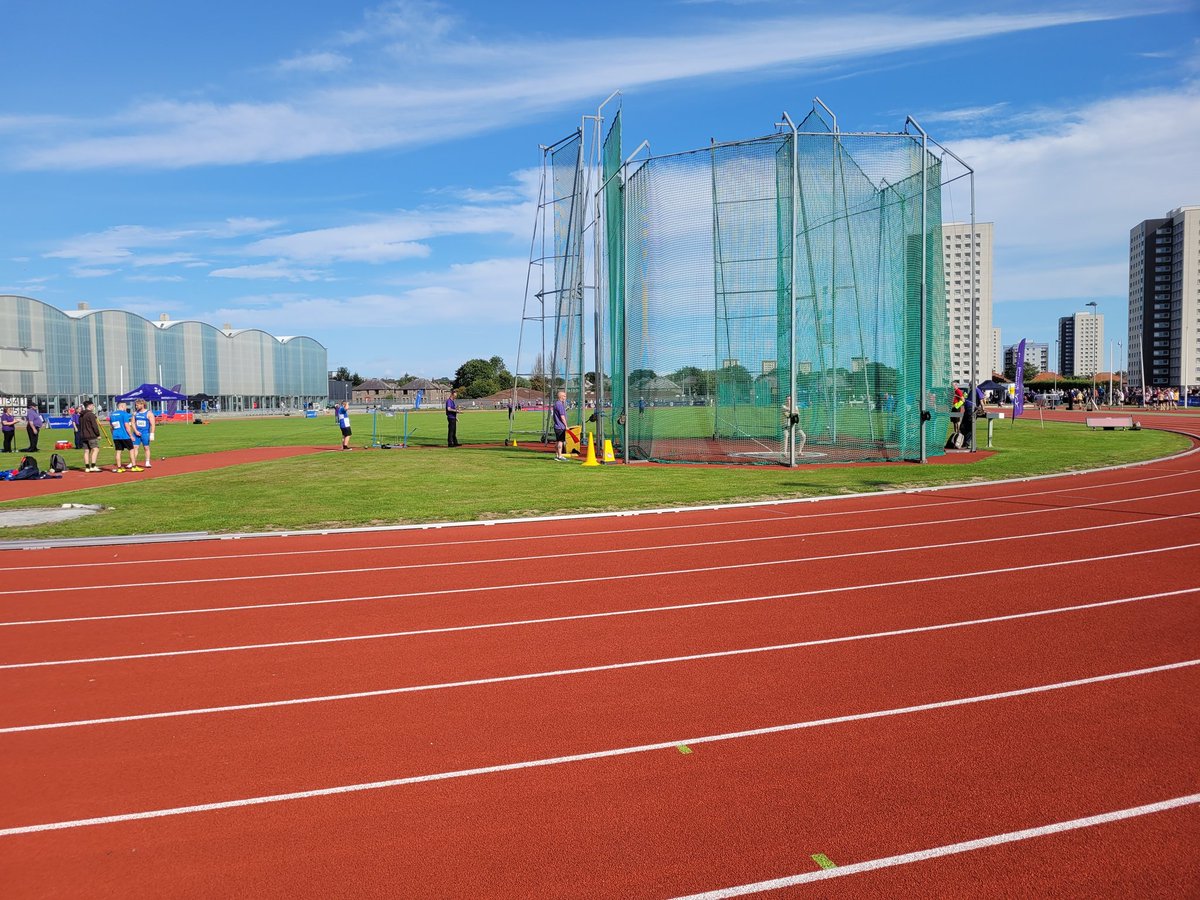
984 691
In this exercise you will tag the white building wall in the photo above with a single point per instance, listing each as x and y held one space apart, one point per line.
966 258
1185 293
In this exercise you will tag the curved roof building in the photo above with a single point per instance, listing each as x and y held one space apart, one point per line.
58 357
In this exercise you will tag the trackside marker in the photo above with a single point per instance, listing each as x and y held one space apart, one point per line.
947 850
683 748
610 753
823 861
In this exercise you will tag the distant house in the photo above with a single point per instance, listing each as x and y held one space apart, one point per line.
374 390
525 397
661 389
432 393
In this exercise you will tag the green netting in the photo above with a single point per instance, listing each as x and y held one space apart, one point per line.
567 204
613 220
703 337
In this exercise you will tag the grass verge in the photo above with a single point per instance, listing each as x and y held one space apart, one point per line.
426 485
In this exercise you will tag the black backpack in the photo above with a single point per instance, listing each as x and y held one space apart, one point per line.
57 463
27 469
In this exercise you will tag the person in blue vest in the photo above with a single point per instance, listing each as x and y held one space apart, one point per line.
342 413
452 420
123 428
143 420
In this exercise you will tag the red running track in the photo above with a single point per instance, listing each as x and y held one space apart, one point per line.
983 691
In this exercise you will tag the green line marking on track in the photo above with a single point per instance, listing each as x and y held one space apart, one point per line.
683 748
823 861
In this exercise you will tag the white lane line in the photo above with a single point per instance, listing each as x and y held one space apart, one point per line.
556 673
826 558
995 840
583 757
600 578
565 555
758 520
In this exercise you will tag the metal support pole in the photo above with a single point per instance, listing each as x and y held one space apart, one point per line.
625 292
793 403
925 414
599 281
974 316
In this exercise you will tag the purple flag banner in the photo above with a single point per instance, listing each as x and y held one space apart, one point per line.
1019 397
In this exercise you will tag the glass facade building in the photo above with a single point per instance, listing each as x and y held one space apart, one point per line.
56 358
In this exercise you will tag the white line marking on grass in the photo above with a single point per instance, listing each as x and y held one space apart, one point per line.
583 757
556 673
402 567
947 850
600 578
757 520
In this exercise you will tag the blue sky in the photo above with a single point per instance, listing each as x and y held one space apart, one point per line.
364 174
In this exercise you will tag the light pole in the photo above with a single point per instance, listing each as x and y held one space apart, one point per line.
1121 380
1095 308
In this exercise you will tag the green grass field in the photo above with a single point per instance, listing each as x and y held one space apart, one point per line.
430 485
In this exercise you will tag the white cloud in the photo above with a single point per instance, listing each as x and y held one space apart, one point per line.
962 114
313 62
279 270
83 272
486 292
153 278
119 245
428 85
1066 189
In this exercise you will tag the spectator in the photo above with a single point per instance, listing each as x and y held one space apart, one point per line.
33 424
452 420
143 420
560 427
74 415
121 423
89 437
8 422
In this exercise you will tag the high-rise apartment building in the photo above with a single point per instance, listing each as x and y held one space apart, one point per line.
967 267
1164 300
1038 354
998 350
1081 345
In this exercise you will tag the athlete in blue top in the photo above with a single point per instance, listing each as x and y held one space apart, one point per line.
123 430
144 420
343 419
560 427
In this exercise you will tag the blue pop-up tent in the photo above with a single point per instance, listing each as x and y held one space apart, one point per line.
153 392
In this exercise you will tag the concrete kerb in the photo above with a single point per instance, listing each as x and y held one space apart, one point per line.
58 543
